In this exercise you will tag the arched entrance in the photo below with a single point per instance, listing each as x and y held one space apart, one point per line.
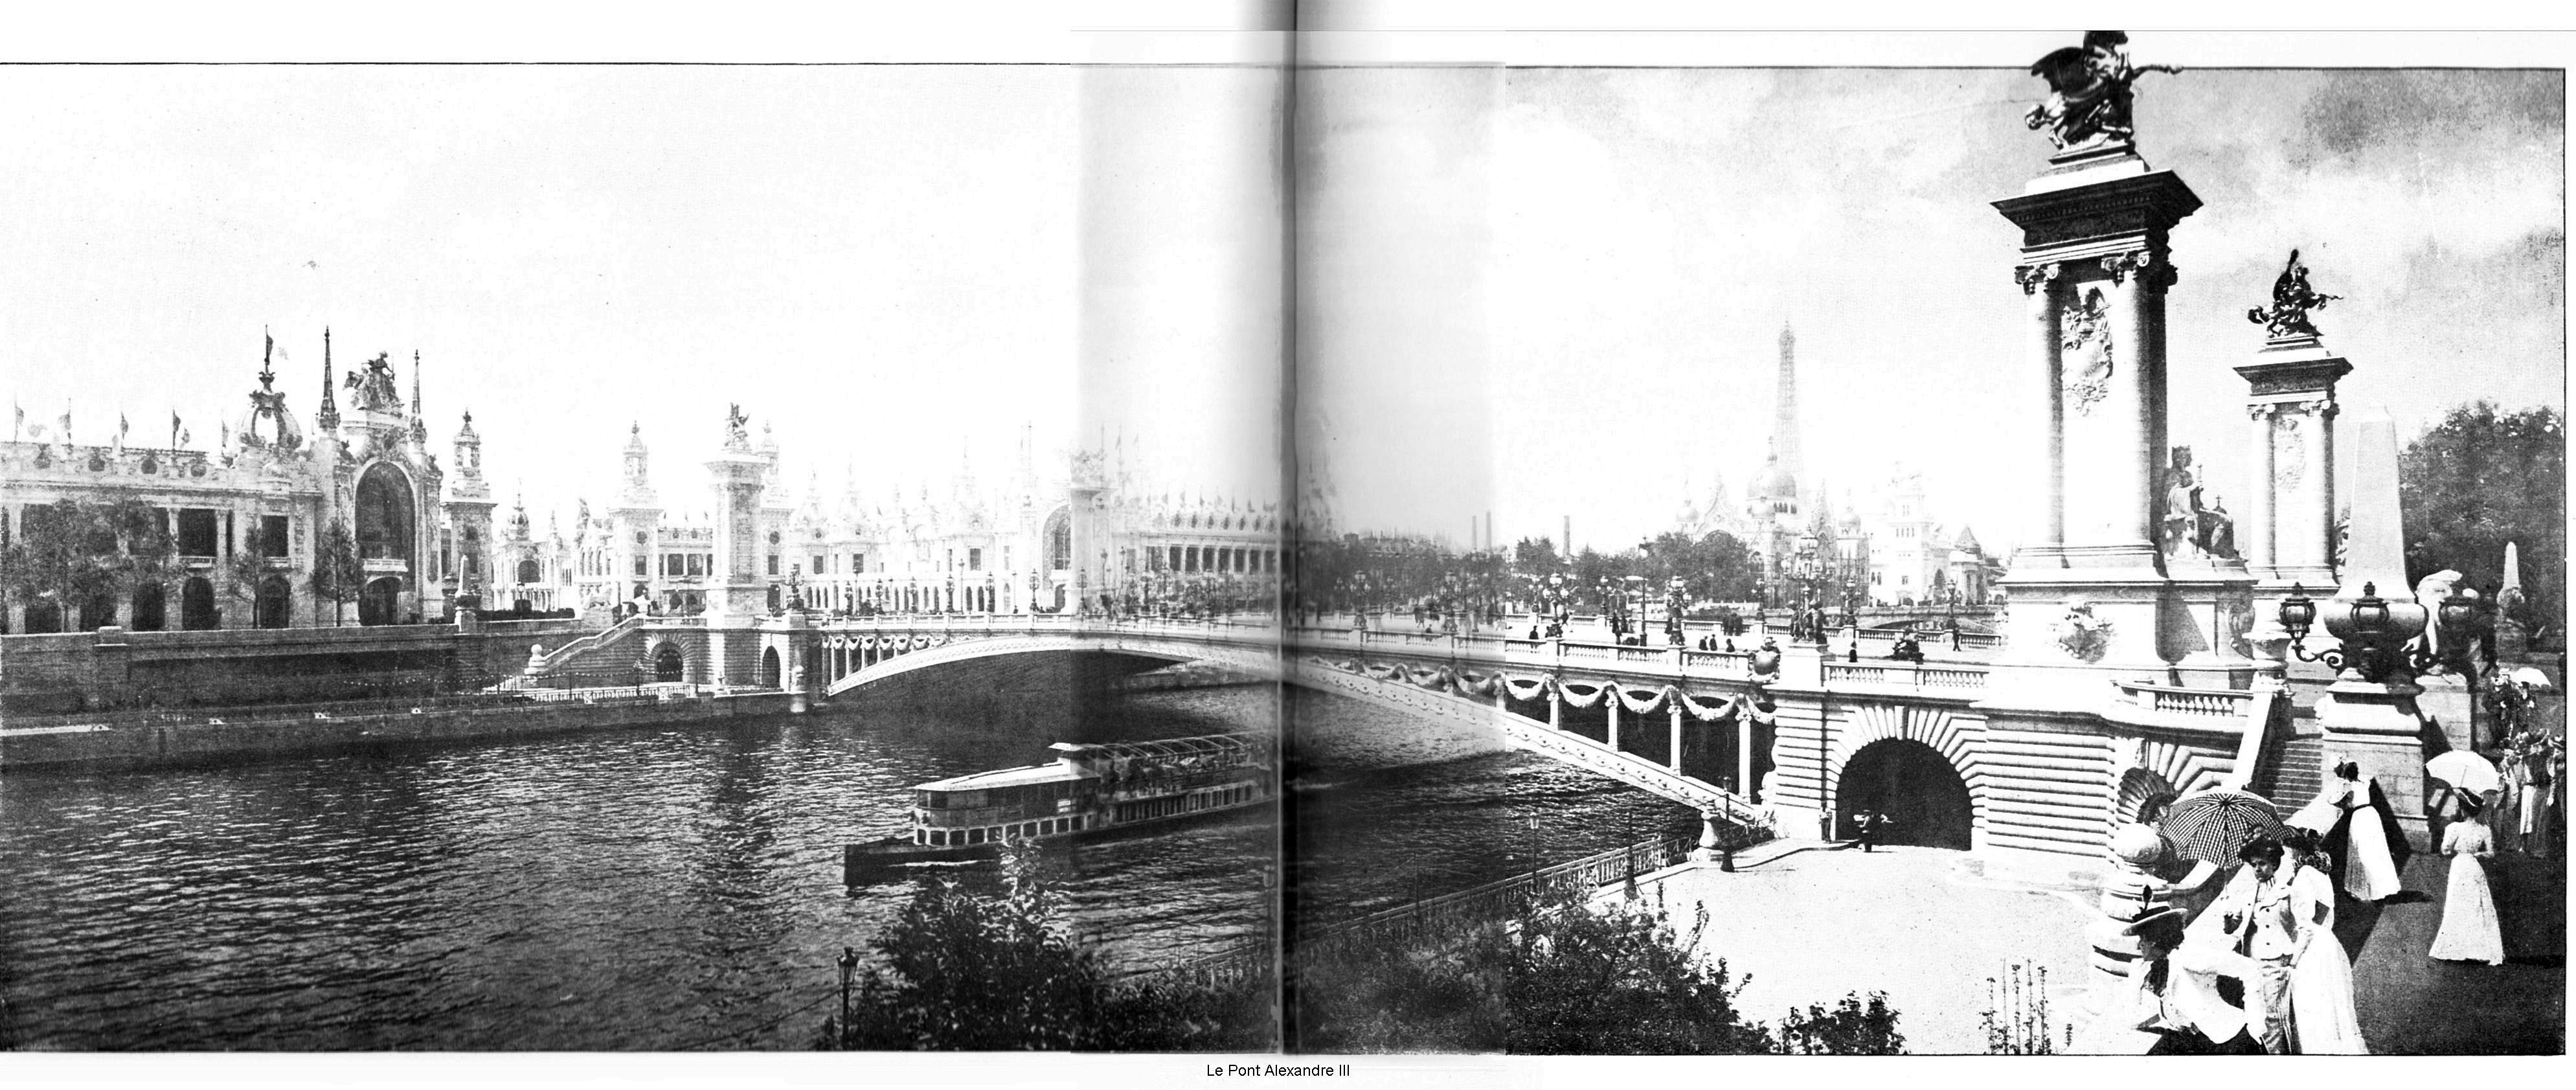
385 525
197 605
669 664
769 668
276 604
1912 783
98 610
151 608
380 602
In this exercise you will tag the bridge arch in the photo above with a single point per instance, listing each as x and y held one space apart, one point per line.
1947 737
1911 783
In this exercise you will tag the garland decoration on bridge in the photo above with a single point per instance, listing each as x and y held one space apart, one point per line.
1575 694
1534 688
1653 703
1435 678
1467 684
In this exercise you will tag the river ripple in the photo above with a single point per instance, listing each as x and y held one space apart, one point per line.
669 887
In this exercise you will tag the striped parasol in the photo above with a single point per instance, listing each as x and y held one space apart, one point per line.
2213 825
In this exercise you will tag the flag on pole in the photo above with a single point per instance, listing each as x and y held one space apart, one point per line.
174 429
18 423
67 421
120 425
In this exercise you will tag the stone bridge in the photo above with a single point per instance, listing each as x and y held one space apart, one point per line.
1798 750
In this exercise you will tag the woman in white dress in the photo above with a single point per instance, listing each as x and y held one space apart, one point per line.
2321 1007
2470 931
2370 872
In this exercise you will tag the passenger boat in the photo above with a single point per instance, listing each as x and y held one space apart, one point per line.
1088 790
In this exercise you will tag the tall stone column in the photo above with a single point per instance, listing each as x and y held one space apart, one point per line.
1673 754
2039 283
2254 536
2291 397
1610 700
2128 438
737 592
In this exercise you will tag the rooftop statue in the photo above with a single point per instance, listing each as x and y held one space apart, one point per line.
737 428
2088 100
2292 299
375 385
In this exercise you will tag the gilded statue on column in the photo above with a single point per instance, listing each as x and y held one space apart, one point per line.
2292 299
2088 101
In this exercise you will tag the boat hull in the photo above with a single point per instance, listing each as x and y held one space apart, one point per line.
882 857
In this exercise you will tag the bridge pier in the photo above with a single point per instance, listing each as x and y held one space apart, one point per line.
1610 700
1555 709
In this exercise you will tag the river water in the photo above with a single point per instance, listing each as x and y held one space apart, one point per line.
676 887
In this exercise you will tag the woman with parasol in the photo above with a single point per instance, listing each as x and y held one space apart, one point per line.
2322 1015
2470 931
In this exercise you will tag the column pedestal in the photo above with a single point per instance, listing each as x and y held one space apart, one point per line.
2378 727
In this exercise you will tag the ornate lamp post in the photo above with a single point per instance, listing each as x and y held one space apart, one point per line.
2374 636
1761 596
1673 610
848 963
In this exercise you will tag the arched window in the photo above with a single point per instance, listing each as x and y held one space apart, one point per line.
1059 541
380 602
769 677
98 611
384 514
151 608
276 604
197 605
669 664
527 572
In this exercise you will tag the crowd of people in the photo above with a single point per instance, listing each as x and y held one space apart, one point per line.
2260 969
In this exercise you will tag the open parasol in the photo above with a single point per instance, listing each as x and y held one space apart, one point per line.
2213 825
2465 771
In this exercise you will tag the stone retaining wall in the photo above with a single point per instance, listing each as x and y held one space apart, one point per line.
112 746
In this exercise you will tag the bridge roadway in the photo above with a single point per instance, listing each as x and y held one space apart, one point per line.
1468 679
2043 786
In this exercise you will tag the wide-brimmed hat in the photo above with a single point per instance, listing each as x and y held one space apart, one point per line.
2152 919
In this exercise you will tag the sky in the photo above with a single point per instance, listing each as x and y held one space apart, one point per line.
1541 292
895 268
1552 292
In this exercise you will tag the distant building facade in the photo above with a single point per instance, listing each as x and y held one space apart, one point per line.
1040 543
248 517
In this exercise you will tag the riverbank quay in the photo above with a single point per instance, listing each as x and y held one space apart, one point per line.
113 669
162 739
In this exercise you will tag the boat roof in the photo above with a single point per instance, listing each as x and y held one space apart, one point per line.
1202 746
1005 777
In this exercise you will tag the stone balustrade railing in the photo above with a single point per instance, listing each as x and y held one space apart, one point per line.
2223 704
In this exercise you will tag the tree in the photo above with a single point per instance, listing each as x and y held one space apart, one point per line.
960 969
1564 977
338 574
50 559
2478 480
248 566
72 551
1535 556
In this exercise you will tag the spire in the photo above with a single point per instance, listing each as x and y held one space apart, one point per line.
1784 426
329 418
419 423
